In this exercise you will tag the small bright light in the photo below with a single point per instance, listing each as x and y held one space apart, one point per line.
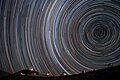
22 74
49 74
64 74
31 69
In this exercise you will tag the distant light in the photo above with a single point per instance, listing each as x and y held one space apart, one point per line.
22 73
49 74
64 74
31 68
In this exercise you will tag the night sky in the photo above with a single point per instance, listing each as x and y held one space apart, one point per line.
59 35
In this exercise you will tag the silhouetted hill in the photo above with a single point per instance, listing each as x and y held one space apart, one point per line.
112 73
3 74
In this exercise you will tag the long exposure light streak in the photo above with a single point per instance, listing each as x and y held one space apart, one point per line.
59 35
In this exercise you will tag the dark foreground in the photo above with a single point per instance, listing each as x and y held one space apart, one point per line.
112 73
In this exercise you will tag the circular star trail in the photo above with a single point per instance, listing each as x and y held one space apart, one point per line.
59 35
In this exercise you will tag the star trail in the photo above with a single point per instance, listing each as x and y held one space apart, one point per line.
59 35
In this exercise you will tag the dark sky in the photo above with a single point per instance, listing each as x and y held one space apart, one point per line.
59 35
